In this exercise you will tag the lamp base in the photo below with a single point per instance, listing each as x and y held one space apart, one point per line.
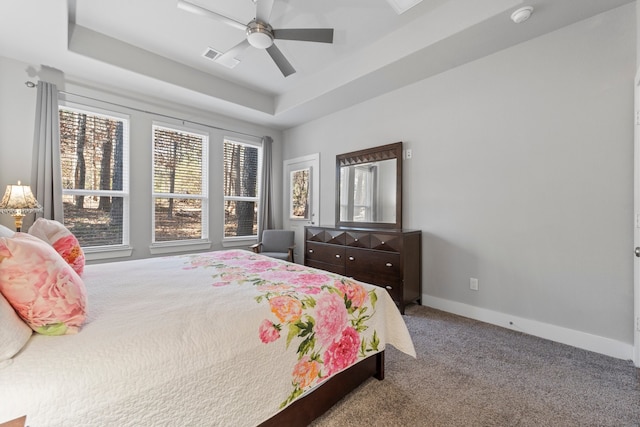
18 220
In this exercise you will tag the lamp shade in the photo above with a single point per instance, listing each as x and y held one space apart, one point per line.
18 199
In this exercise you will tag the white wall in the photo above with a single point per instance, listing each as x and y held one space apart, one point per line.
521 176
17 109
17 116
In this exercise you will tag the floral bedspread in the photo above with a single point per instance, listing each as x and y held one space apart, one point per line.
324 318
224 338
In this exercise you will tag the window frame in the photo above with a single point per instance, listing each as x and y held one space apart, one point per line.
204 241
239 240
124 249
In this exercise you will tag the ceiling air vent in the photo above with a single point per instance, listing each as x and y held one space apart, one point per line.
211 53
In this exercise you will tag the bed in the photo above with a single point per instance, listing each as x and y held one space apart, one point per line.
213 339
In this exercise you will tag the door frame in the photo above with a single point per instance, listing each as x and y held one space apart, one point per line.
636 233
297 225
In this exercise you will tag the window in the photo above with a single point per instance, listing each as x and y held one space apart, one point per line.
242 162
94 150
180 192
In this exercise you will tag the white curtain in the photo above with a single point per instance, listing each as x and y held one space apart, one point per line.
266 205
46 174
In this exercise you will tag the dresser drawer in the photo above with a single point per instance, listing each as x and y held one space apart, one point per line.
357 239
395 290
334 237
391 284
333 268
328 254
386 242
374 262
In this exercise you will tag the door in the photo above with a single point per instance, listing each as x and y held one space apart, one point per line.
301 178
636 265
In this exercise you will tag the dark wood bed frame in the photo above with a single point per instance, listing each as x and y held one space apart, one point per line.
306 409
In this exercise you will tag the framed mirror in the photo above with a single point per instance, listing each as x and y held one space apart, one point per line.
369 187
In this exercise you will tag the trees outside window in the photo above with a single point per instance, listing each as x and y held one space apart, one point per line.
241 188
179 185
94 157
95 188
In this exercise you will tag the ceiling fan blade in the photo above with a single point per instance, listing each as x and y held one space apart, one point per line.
285 67
194 8
263 10
229 57
320 35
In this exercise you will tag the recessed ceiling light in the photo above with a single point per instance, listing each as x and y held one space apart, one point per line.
522 14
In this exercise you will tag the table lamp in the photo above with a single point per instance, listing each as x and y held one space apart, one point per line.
18 201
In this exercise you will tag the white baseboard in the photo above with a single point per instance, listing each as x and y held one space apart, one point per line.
583 340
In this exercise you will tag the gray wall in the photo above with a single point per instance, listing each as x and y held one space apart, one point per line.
17 117
521 176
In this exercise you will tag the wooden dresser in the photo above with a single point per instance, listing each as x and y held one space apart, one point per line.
388 258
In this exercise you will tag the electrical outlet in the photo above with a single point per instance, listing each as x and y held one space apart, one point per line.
473 284
408 153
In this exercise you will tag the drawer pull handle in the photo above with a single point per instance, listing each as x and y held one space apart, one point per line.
355 240
389 287
337 255
351 258
310 251
382 243
389 264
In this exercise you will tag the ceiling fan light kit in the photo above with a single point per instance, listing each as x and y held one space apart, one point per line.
522 14
260 34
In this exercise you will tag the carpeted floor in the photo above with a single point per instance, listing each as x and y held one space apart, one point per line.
470 373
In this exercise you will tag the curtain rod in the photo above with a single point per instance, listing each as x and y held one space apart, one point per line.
31 84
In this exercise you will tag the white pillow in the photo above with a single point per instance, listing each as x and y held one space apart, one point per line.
5 232
14 333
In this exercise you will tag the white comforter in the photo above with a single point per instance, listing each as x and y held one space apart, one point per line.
182 341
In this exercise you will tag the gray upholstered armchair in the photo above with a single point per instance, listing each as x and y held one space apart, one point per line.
276 244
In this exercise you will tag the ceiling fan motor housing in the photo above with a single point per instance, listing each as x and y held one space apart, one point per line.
259 34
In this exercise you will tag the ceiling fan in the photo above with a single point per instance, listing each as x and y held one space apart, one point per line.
261 35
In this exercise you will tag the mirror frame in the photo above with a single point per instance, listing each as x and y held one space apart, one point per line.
383 152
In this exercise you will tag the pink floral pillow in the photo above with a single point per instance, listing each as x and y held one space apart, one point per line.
43 289
62 240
